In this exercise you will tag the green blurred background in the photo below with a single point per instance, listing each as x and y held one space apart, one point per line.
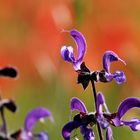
31 38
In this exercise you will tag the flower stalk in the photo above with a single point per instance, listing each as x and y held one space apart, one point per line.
4 127
95 101
102 117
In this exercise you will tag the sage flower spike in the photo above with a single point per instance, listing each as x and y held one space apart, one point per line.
85 120
82 120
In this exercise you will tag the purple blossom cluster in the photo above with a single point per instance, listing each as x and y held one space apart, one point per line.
101 117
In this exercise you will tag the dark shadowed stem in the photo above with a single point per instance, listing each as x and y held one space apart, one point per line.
95 99
4 127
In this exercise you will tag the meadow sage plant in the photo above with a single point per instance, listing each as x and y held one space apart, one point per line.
103 119
86 120
84 74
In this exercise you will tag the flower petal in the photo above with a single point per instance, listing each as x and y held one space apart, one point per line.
109 57
42 136
108 77
87 133
134 124
119 77
100 102
103 122
34 116
67 129
109 133
125 106
80 42
77 104
67 54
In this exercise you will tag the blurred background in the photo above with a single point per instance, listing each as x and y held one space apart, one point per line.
30 40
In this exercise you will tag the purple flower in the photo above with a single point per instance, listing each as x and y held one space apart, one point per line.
123 108
108 58
84 74
37 114
67 51
86 120
105 118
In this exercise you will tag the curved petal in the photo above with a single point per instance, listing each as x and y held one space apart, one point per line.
67 129
134 124
100 102
109 57
67 54
77 104
119 77
81 44
125 106
108 76
42 136
34 116
102 121
87 133
109 133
